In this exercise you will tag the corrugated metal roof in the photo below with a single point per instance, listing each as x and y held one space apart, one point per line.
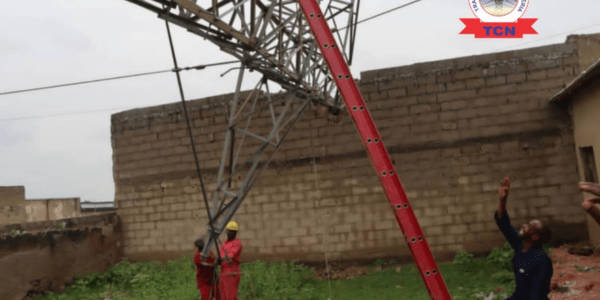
97 205
579 82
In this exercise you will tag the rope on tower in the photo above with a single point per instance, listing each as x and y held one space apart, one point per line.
189 127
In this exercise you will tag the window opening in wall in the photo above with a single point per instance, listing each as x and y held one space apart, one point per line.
589 164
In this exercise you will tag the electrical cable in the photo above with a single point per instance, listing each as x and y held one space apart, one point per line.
381 14
548 37
198 67
63 114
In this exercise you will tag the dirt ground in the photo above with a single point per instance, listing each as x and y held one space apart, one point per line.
575 276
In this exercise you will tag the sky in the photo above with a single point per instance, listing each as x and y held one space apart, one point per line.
57 143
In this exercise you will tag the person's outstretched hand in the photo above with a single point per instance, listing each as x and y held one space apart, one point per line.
504 188
592 188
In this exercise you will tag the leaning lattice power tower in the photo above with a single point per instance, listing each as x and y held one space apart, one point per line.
305 47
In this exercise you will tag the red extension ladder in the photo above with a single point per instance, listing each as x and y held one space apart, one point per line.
434 282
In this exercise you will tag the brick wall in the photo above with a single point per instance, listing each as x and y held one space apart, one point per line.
454 128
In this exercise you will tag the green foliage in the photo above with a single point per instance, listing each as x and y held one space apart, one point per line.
285 281
464 282
503 276
501 257
379 262
465 277
462 258
176 280
488 273
127 280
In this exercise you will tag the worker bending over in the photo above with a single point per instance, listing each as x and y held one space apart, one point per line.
230 275
531 265
590 205
205 273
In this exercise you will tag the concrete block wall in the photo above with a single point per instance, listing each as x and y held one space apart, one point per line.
52 209
14 208
45 258
454 128
12 195
461 125
158 195
11 205
12 214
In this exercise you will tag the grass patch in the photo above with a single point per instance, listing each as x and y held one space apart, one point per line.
465 277
464 282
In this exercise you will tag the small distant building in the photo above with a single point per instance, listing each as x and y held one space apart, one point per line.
14 208
581 98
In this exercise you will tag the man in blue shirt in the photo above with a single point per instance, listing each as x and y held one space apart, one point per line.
531 265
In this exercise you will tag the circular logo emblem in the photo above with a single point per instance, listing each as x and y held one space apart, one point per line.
498 11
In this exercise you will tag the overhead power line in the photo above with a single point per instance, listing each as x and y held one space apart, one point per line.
198 67
383 13
64 114
387 11
548 37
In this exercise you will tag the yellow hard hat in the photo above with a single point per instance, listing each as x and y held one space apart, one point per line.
232 225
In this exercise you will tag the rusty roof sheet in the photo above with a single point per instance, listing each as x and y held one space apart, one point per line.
581 81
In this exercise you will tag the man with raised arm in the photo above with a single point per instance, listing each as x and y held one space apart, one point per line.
590 205
531 265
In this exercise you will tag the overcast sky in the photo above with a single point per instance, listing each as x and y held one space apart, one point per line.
47 42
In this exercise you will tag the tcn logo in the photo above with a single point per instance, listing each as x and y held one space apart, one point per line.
498 19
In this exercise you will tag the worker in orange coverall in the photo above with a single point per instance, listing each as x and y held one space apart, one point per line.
229 278
205 273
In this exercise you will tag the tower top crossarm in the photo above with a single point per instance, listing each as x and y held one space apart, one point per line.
271 37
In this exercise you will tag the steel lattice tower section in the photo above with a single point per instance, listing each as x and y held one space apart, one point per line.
301 54
273 38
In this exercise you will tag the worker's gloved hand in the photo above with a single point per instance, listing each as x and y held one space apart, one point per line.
590 187
587 205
